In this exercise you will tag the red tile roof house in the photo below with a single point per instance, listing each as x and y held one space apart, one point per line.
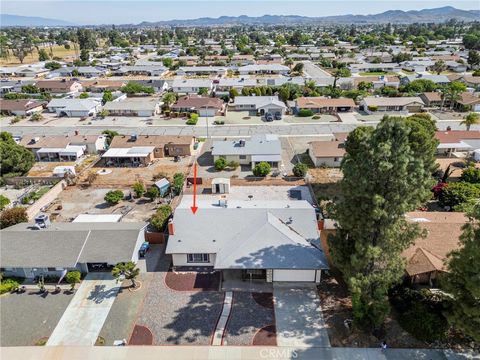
324 105
204 106
457 141
63 86
21 107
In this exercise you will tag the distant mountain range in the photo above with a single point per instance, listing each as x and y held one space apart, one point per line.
7 20
392 16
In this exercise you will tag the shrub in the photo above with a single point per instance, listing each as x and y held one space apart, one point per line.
153 193
8 285
192 121
316 117
4 201
219 122
113 197
178 181
471 174
73 277
305 113
300 170
36 117
139 189
83 95
233 164
220 164
194 116
13 216
160 218
455 194
262 169
372 107
16 119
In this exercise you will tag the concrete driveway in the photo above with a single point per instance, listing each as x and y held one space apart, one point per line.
84 317
299 317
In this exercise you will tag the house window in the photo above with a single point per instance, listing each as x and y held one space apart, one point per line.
51 269
198 258
242 157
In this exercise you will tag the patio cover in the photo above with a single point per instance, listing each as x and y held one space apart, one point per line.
267 158
135 151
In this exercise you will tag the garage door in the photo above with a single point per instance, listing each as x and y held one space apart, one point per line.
294 275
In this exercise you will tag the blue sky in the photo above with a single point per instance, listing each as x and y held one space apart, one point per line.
128 11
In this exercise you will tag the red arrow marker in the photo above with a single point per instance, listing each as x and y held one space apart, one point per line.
194 207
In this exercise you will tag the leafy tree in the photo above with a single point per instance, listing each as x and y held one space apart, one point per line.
169 98
339 73
167 62
83 95
14 158
73 278
452 92
153 193
139 189
471 119
421 85
462 280
382 181
133 87
36 117
439 67
42 55
233 164
113 197
13 216
178 181
298 68
161 216
107 96
30 89
52 65
471 174
103 113
109 134
422 139
456 194
473 58
4 201
262 169
300 170
203 91
233 92
127 269
220 164
365 86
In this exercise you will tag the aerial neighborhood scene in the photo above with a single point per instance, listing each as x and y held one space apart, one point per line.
240 180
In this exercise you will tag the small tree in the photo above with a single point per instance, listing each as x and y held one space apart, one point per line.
300 170
73 278
471 119
471 174
83 95
13 216
113 197
139 189
103 113
233 164
169 98
262 169
4 201
109 134
42 55
178 181
129 270
220 164
107 96
160 218
203 91
36 117
153 193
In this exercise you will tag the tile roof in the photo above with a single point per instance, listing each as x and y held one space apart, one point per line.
326 149
124 141
319 102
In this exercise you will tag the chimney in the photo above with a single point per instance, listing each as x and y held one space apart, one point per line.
171 229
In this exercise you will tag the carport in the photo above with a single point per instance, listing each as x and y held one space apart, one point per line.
272 160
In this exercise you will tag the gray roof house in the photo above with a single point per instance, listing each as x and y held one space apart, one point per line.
259 148
437 79
191 86
74 107
264 69
27 251
133 107
271 240
259 104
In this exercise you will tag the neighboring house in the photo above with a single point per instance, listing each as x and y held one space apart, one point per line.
467 102
368 67
378 82
269 241
85 71
133 107
63 148
469 80
326 153
204 106
102 85
202 70
30 71
259 148
224 85
437 79
324 105
74 107
59 86
191 86
327 81
149 70
141 150
264 69
68 246
279 81
456 66
370 104
259 104
157 84
453 141
425 258
432 99
21 107
418 66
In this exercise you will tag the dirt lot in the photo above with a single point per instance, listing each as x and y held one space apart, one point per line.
46 168
457 165
75 200
118 177
58 50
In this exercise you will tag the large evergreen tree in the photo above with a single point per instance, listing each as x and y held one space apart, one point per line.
463 280
384 177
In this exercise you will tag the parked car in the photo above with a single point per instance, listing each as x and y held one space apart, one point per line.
268 117
278 116
143 249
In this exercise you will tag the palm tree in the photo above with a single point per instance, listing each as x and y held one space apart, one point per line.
126 270
439 66
471 119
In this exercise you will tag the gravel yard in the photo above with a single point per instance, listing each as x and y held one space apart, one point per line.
28 317
246 319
